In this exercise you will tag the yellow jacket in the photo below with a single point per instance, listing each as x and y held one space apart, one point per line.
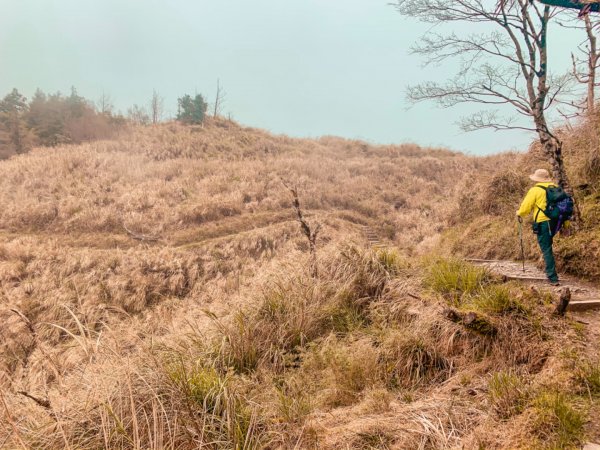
535 198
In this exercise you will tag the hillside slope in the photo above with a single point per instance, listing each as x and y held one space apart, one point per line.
484 224
156 294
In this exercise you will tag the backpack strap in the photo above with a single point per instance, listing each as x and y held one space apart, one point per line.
537 206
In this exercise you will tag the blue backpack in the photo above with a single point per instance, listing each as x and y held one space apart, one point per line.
559 207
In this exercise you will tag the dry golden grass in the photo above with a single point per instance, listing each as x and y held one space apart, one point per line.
208 331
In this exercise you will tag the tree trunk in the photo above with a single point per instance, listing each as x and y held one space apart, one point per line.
552 148
592 63
563 302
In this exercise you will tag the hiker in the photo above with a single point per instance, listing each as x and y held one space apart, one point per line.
543 226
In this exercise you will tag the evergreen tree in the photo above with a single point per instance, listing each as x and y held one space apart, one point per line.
191 110
13 108
47 117
76 104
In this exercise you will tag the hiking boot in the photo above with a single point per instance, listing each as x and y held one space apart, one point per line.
554 283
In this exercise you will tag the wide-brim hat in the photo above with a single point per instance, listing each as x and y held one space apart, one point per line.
541 176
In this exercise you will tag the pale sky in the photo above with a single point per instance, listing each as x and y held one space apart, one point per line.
299 67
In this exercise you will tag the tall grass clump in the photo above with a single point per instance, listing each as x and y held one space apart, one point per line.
289 314
556 422
365 274
218 411
508 394
454 278
295 310
345 368
495 299
587 374
294 402
502 192
410 360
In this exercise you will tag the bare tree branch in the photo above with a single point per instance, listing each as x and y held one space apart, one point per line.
490 120
156 107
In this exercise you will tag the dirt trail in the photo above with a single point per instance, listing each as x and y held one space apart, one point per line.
580 290
585 300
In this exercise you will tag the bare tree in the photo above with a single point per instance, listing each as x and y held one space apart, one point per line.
311 232
219 100
137 114
104 104
156 107
585 62
504 66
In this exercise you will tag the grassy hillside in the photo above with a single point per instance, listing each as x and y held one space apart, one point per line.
156 294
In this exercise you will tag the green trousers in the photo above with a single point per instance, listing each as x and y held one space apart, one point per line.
544 238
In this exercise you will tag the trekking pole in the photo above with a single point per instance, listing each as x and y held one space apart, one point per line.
521 240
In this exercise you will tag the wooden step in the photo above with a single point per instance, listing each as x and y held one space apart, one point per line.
583 305
372 237
483 260
523 277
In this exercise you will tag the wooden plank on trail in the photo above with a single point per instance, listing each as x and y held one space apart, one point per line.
583 305
482 260
523 277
